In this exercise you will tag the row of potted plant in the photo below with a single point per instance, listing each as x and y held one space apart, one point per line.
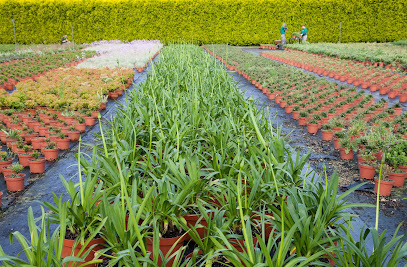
342 119
116 53
371 54
384 81
69 88
31 68
37 135
192 164
37 138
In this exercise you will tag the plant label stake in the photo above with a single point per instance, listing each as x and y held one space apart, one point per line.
15 38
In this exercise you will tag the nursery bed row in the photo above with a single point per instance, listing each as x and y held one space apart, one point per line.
383 55
43 117
17 71
114 54
386 82
34 138
349 118
188 166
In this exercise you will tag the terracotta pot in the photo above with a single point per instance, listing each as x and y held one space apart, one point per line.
194 220
37 166
344 155
5 164
42 131
240 244
89 121
165 245
113 95
296 115
397 111
312 128
288 109
69 249
50 154
302 121
366 172
398 179
385 187
327 135
404 169
364 85
24 159
63 144
103 106
269 227
74 136
336 143
378 156
15 184
36 142
95 114
29 137
81 127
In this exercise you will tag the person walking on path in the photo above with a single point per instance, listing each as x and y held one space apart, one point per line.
303 33
283 29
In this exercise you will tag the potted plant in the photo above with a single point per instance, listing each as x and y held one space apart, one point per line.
386 184
89 119
12 136
346 148
102 100
5 160
82 217
15 180
313 124
327 133
337 137
73 134
165 223
397 109
62 142
42 247
37 163
50 151
303 118
396 157
25 156
367 168
80 125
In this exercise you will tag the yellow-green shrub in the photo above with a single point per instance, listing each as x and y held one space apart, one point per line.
206 21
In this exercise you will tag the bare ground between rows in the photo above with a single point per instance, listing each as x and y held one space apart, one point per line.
393 209
14 217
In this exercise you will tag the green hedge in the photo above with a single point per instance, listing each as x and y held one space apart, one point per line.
206 21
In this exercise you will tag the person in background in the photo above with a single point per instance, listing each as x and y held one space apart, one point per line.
303 33
64 39
283 29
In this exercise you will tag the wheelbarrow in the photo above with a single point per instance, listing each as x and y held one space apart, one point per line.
278 44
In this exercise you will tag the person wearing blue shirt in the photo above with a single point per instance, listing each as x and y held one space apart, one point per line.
283 29
303 33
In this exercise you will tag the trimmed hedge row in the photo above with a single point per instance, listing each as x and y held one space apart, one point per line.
204 21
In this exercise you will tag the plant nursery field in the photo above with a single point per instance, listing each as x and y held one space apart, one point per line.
188 171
